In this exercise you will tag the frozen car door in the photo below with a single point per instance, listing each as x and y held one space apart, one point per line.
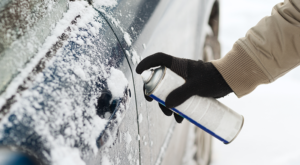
128 19
73 102
143 28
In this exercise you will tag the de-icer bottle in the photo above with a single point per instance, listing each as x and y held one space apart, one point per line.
206 113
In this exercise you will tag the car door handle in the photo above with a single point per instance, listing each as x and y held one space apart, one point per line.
107 109
105 105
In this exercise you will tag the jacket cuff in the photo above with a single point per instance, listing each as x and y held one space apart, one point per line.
240 72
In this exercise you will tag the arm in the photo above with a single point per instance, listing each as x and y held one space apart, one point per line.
268 51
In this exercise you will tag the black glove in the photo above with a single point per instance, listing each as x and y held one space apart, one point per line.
202 78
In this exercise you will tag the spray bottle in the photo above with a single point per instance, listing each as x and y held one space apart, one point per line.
206 113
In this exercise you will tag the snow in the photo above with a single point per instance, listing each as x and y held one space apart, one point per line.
80 73
127 53
128 138
66 155
135 57
129 157
104 3
270 134
105 160
117 82
140 118
127 38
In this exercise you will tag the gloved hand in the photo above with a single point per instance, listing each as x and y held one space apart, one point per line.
202 79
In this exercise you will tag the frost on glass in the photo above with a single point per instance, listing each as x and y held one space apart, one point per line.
56 116
128 19
24 25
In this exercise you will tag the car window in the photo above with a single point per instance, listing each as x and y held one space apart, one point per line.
24 27
74 99
128 19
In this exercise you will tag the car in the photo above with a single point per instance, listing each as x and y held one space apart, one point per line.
69 90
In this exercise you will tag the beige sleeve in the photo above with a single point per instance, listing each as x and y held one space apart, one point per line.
268 51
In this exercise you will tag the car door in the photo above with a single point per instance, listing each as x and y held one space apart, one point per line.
144 28
128 20
74 100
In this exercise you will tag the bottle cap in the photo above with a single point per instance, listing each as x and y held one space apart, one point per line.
147 75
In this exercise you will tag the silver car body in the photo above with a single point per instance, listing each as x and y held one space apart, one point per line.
57 59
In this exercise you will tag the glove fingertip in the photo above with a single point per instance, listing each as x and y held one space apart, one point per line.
139 69
178 118
154 60
148 98
165 110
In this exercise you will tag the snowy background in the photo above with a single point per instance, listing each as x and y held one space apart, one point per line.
271 133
